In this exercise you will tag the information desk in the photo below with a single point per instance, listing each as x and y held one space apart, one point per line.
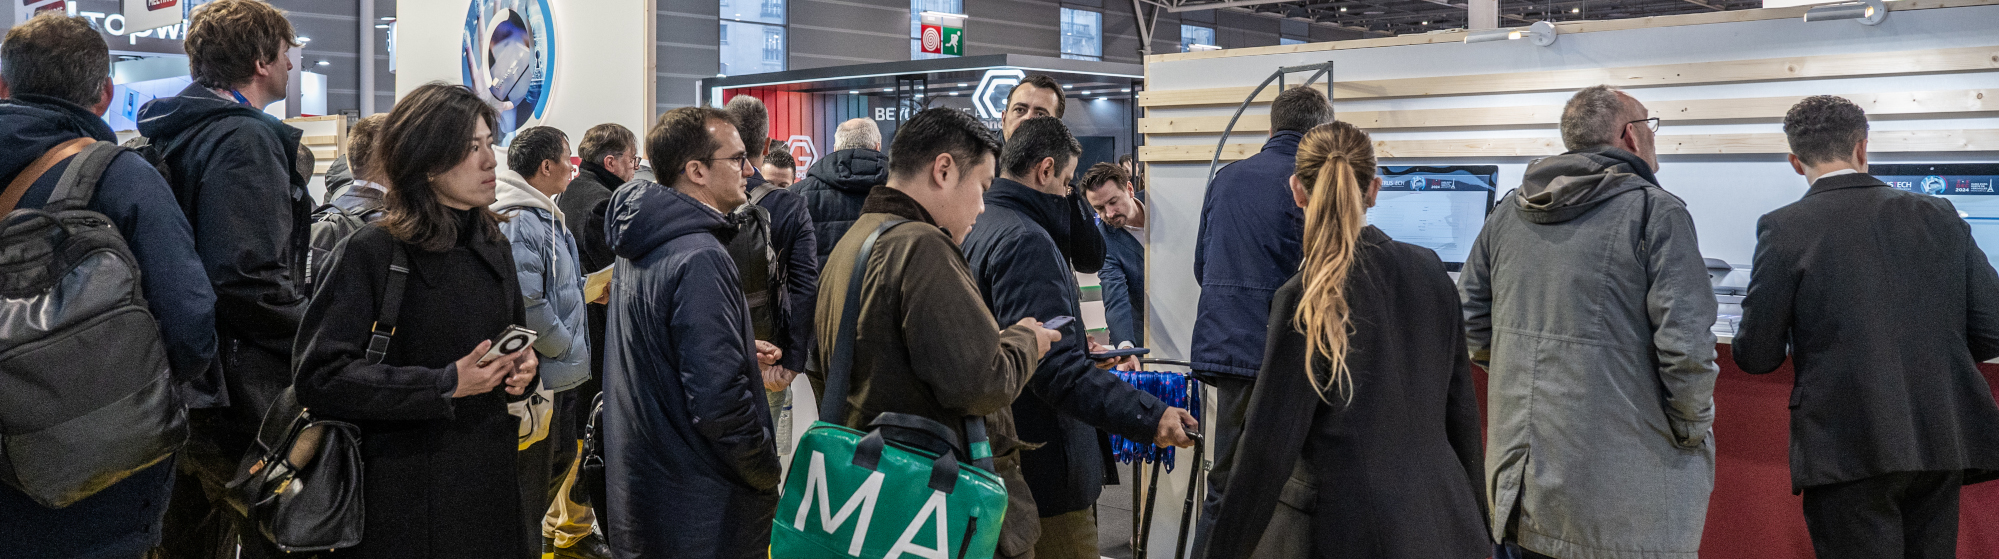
1752 513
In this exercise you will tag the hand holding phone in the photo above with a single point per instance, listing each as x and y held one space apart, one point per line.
510 340
1058 322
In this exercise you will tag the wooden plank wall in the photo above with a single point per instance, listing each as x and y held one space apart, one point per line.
1958 103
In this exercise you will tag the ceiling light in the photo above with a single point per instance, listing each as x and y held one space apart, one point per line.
388 18
1575 10
851 92
964 85
1541 32
325 63
304 39
919 96
1343 8
381 26
1426 23
1866 12
1125 90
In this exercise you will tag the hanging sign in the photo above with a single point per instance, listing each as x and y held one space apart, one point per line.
147 15
944 33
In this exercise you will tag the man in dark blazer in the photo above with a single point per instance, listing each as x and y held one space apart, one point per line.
1888 305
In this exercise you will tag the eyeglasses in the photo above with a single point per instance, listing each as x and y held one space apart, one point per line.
741 160
1650 123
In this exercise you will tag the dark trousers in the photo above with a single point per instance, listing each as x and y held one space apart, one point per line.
119 522
1232 409
543 464
200 522
1912 515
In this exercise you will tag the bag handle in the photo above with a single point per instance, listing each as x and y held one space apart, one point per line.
78 184
27 177
392 304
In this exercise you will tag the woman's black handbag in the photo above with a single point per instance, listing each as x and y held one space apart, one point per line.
302 484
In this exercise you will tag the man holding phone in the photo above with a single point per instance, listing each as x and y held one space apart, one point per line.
1019 255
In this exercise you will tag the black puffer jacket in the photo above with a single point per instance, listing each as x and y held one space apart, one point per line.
834 188
239 177
1015 254
688 450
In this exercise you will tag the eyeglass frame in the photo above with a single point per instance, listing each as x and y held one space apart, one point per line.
742 161
1654 127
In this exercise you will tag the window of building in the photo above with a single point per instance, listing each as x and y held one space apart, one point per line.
1291 41
1082 34
1191 35
753 35
916 9
1294 32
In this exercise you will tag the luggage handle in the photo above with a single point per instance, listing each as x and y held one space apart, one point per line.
943 469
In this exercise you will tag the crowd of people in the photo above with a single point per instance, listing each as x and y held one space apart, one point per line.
688 295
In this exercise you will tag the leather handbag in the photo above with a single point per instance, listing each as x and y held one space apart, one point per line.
302 484
898 488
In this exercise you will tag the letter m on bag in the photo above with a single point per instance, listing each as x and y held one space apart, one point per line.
817 491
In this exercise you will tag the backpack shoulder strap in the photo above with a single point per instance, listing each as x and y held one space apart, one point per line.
27 177
757 194
834 403
79 183
392 304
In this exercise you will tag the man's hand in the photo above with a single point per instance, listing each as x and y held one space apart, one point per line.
1126 363
1173 428
768 353
1043 337
777 378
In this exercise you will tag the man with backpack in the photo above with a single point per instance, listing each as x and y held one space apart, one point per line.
791 281
360 204
239 175
55 78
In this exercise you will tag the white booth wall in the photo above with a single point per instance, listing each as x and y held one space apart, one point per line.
1725 193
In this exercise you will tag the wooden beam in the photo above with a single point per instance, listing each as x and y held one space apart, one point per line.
1962 101
1706 5
1686 144
1931 61
1703 18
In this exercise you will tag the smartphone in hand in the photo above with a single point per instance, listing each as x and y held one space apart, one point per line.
1058 322
1117 353
510 340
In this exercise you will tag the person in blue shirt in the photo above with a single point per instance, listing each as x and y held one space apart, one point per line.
1250 242
55 79
1121 219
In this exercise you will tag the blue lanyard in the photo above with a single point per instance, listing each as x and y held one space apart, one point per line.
239 97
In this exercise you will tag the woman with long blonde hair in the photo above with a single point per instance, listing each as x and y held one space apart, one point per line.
1362 437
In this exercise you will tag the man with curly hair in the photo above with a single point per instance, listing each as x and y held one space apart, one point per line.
1886 305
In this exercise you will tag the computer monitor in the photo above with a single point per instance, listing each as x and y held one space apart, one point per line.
1972 187
1439 208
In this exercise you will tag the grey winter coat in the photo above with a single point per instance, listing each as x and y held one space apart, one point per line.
1586 300
551 280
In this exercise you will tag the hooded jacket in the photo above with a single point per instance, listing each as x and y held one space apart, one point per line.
1015 253
792 237
239 178
137 201
582 206
689 454
1250 241
834 189
1587 301
551 282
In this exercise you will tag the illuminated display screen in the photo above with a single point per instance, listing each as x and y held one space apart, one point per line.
1439 208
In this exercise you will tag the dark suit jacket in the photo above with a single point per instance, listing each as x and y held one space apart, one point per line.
1887 305
1123 281
1398 470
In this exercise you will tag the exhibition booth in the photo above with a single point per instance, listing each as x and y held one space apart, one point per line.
806 105
1456 122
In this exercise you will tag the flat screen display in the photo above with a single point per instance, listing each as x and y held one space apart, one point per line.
1972 187
1439 208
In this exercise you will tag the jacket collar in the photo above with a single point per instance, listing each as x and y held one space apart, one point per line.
1853 180
1632 163
495 253
885 200
75 115
1046 210
1284 143
604 177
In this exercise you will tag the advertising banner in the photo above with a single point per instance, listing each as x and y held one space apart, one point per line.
509 59
147 15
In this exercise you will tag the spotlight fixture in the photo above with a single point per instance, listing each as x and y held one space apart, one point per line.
325 63
1575 10
1866 12
1343 8
1542 33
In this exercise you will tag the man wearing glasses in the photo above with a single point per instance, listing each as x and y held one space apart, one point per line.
1587 302
690 466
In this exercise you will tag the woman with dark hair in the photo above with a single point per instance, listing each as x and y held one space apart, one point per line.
437 442
1363 431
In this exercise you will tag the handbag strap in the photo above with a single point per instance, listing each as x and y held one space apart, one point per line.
27 177
392 305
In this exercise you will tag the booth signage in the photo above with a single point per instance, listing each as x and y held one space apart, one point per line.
147 15
802 149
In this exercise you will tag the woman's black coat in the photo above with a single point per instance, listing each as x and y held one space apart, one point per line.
1398 471
439 478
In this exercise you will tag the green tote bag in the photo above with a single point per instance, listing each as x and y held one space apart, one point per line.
897 490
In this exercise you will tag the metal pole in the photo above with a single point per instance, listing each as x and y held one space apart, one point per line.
367 66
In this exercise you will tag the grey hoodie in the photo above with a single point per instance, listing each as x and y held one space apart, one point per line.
1587 301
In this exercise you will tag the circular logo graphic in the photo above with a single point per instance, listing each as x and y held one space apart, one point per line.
1419 184
932 39
1933 185
513 344
509 59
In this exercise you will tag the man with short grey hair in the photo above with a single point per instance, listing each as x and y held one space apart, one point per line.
1601 389
838 182
859 133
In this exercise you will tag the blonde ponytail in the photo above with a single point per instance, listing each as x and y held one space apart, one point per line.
1335 165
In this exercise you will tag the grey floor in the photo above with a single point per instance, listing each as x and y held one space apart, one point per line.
1114 521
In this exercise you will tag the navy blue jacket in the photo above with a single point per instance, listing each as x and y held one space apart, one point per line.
1123 282
834 188
689 456
240 181
1251 239
791 235
122 519
1015 254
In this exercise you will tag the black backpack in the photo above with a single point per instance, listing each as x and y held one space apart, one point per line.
87 396
757 262
330 225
